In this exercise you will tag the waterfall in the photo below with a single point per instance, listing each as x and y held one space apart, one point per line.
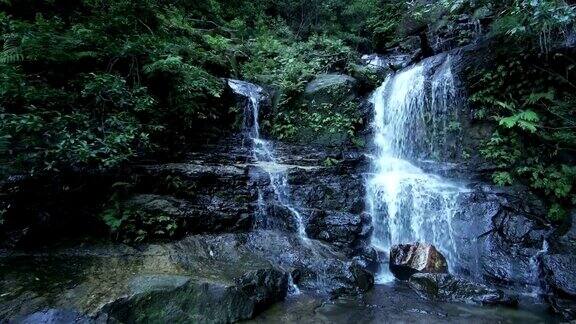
413 109
535 272
263 151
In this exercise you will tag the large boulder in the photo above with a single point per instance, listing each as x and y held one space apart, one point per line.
333 96
408 259
330 89
206 279
560 276
389 62
446 287
560 271
499 234
178 299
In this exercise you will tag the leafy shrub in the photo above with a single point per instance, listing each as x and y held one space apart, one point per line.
529 98
289 66
529 21
97 86
130 225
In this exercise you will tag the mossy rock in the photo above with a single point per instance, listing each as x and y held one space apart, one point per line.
200 280
327 111
330 89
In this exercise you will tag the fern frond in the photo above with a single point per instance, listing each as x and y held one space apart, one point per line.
11 51
526 120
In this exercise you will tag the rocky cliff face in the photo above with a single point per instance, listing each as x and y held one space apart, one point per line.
501 235
230 261
236 250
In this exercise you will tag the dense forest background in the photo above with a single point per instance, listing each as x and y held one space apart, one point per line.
91 86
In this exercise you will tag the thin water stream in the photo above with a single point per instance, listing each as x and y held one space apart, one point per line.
263 150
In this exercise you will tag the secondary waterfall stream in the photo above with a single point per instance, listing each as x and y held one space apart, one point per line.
263 151
413 110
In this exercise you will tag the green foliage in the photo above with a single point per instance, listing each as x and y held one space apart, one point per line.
48 141
330 123
557 213
100 83
98 86
502 178
330 162
289 66
526 120
131 225
108 92
555 180
532 101
289 124
11 52
526 20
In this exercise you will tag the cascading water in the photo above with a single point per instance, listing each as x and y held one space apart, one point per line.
536 288
412 113
264 155
263 151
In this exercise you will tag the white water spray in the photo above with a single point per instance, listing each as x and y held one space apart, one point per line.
408 204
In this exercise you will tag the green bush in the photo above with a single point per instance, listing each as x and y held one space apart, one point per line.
288 66
130 225
99 86
531 100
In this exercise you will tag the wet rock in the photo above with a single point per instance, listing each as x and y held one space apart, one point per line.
363 277
317 266
339 228
177 299
240 90
504 263
390 62
340 188
325 88
560 276
517 228
350 279
199 279
408 259
369 257
446 287
498 234
266 286
56 316
196 179
560 272
565 241
278 217
214 215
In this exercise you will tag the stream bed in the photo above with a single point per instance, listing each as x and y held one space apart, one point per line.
395 302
